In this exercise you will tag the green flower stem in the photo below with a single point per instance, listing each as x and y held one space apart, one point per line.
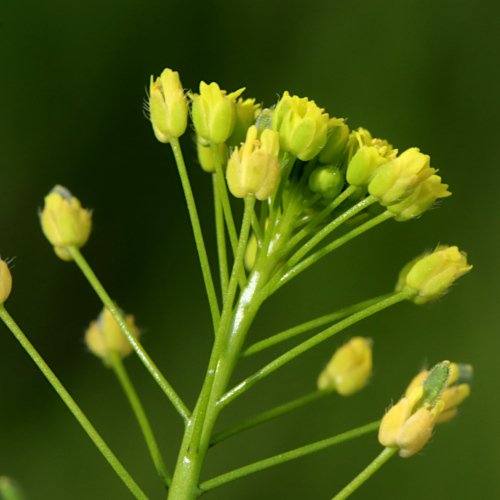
309 325
269 415
287 162
320 235
308 344
226 206
143 355
8 490
197 232
287 456
71 404
315 221
256 229
221 183
290 272
363 476
220 232
230 335
142 419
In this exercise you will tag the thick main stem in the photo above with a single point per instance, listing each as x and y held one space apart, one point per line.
233 327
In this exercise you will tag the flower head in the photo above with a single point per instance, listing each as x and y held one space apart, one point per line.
302 126
395 180
104 336
422 198
350 367
64 222
168 106
431 274
214 112
254 168
431 398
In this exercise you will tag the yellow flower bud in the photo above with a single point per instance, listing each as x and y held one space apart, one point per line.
397 179
365 155
326 181
168 106
64 221
302 126
246 114
452 397
105 337
350 367
430 275
423 197
254 168
338 135
5 281
214 112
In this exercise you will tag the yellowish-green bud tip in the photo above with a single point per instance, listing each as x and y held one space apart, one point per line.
64 222
168 106
104 336
5 281
254 168
214 112
430 275
350 367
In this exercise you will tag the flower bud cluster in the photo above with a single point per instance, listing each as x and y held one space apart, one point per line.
431 398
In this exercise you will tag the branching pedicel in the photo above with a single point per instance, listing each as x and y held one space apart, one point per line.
302 175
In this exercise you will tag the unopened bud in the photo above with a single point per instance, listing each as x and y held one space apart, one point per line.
104 336
431 274
64 222
302 126
214 112
350 367
423 197
168 106
5 281
394 181
327 181
206 156
254 168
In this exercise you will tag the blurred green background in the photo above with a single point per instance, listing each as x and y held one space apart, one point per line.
72 83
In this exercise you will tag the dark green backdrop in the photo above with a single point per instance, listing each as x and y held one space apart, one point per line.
72 81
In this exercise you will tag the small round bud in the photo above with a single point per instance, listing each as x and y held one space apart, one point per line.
168 106
350 367
5 281
214 112
254 168
338 135
105 337
431 274
326 181
302 126
64 222
396 180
